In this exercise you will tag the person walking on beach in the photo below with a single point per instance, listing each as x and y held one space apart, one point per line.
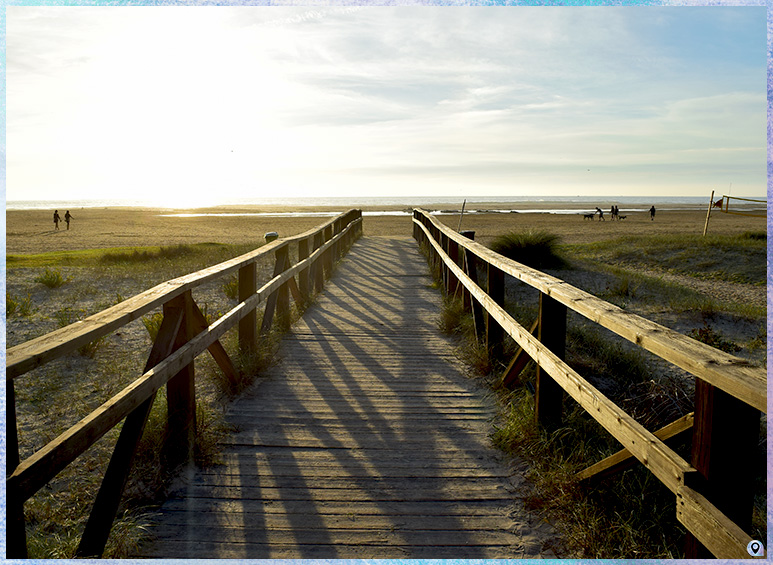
601 214
57 219
652 213
67 218
612 212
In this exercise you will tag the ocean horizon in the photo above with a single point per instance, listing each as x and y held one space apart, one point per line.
356 201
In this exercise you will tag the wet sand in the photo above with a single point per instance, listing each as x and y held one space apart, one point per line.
32 231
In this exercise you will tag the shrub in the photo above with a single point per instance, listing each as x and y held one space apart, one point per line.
537 249
51 278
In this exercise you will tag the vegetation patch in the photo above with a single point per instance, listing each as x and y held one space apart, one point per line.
534 248
733 258
710 336
51 278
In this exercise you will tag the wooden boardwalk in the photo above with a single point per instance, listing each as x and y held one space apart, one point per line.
366 441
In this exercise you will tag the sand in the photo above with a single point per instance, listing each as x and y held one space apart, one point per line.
32 231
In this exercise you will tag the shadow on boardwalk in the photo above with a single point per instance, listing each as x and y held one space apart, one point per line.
366 441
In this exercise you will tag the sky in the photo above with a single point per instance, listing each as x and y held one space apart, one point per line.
188 105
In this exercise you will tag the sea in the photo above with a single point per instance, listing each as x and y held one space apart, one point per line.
298 207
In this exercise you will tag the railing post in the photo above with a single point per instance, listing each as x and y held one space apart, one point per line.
303 276
724 446
283 292
15 532
444 270
180 391
278 302
453 253
496 290
248 339
552 333
317 265
328 255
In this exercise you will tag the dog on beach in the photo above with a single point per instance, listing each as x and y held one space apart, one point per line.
622 217
588 216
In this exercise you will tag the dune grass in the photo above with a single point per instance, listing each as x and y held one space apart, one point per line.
538 249
733 258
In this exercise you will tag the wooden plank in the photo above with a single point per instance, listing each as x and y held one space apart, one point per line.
248 334
303 276
180 436
653 453
298 550
518 362
218 352
619 461
723 538
548 395
732 374
724 444
495 281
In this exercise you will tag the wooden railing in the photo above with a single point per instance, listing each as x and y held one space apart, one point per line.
714 496
183 335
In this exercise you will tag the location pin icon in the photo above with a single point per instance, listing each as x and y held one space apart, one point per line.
755 549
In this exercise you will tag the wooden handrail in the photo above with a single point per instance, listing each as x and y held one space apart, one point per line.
653 453
732 374
26 356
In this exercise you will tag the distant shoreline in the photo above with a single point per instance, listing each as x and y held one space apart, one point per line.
386 204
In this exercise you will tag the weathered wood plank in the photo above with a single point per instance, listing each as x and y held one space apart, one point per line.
713 529
615 462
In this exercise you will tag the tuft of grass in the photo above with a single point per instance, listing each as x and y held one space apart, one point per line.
710 336
611 365
68 315
535 248
231 287
11 305
754 235
152 323
51 278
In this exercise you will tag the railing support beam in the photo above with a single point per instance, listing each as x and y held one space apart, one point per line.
724 446
552 333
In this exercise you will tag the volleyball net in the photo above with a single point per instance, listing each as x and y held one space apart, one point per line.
754 207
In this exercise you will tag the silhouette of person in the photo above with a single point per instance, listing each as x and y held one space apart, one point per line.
652 213
67 218
601 214
57 219
612 212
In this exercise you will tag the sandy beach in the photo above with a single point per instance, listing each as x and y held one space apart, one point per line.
32 231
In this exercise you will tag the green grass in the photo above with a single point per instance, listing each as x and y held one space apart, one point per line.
51 278
733 258
198 255
22 307
534 248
